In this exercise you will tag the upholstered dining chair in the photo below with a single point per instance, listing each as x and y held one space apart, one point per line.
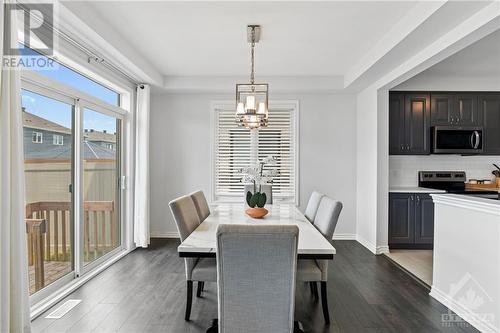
312 206
200 201
197 269
256 284
314 271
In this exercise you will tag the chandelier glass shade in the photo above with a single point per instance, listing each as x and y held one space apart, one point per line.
252 98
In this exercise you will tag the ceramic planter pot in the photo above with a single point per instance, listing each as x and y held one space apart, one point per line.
256 213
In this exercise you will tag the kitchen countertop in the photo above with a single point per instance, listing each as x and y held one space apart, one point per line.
413 189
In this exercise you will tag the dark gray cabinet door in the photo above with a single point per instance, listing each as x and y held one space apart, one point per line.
401 218
396 123
489 114
424 219
441 109
417 123
465 110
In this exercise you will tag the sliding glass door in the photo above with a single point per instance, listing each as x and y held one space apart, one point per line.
101 188
72 153
49 168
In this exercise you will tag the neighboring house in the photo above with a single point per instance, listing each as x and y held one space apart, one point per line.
103 139
46 140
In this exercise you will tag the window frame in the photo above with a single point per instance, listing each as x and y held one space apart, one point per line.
35 135
289 105
56 90
55 140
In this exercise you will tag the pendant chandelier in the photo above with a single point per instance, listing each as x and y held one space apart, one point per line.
252 98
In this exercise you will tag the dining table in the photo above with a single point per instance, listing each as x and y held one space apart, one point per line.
201 242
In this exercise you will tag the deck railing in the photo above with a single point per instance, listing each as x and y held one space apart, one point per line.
49 228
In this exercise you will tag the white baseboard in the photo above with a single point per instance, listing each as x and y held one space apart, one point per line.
467 315
344 237
381 249
370 246
168 234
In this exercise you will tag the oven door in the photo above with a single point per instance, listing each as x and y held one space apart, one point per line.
453 140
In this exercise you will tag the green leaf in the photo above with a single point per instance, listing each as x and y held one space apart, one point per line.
262 200
254 199
249 196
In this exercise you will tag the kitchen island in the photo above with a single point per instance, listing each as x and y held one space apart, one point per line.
466 259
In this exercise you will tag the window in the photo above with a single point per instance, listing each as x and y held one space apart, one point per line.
37 137
73 79
235 148
57 140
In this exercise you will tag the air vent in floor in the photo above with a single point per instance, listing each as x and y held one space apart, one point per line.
63 309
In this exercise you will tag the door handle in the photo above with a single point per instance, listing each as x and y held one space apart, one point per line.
477 139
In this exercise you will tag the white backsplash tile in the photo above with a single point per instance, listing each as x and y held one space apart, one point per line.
403 170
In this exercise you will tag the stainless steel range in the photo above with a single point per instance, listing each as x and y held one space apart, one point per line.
452 182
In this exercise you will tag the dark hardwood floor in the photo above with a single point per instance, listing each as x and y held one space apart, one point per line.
145 292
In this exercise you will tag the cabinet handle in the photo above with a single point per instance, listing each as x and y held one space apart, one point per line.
408 147
418 199
411 197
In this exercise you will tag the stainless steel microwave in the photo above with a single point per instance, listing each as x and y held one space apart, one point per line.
457 140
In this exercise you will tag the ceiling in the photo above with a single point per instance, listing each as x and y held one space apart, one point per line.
209 38
479 59
479 62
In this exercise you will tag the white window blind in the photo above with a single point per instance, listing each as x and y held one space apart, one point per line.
236 148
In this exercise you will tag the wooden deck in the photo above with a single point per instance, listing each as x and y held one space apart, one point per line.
53 271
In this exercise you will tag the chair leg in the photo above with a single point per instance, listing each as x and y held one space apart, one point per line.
189 299
199 289
324 302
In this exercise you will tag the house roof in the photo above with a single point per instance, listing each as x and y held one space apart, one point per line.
91 151
32 121
93 135
36 122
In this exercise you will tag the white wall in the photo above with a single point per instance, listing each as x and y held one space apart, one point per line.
180 152
366 149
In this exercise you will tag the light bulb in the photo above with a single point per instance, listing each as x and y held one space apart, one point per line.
262 108
250 103
240 109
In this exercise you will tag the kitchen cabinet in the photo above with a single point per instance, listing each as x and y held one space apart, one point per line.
465 110
409 123
454 109
424 219
411 221
412 114
489 114
441 109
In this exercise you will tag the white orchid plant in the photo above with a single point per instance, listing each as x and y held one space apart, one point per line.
258 176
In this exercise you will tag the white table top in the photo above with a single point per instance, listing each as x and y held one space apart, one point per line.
202 241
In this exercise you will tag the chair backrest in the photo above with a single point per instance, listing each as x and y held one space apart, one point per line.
201 205
266 188
256 268
327 216
312 206
185 215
